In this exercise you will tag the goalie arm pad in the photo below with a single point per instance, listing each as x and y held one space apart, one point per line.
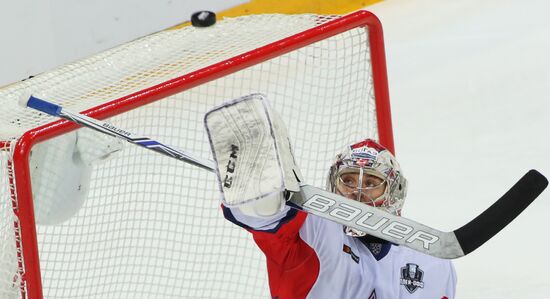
254 161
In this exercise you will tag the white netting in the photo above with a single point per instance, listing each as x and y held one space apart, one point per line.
10 274
151 226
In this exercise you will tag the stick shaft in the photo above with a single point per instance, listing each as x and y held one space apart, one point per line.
107 128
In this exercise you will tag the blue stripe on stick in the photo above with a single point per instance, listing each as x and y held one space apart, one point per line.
147 142
46 107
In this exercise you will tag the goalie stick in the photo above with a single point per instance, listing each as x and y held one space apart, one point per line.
106 128
313 200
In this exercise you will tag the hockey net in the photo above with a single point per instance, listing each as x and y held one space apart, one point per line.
150 226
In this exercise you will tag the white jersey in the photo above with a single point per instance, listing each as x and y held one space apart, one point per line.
311 257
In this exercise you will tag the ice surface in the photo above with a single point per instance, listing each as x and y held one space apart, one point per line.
470 92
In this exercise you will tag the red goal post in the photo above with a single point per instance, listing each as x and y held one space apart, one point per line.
148 226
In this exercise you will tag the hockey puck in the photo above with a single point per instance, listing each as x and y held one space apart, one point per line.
203 18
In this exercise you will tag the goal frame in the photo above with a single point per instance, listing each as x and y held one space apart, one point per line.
22 195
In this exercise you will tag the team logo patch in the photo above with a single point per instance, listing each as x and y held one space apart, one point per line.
364 155
411 277
347 250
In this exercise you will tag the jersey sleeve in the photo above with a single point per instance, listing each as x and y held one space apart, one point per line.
292 265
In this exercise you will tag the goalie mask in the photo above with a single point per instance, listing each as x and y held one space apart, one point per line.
368 172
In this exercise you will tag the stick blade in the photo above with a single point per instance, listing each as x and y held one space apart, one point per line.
501 213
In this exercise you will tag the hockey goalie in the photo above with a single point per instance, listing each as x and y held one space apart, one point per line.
309 256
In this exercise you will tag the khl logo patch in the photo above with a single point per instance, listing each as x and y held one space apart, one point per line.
411 277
